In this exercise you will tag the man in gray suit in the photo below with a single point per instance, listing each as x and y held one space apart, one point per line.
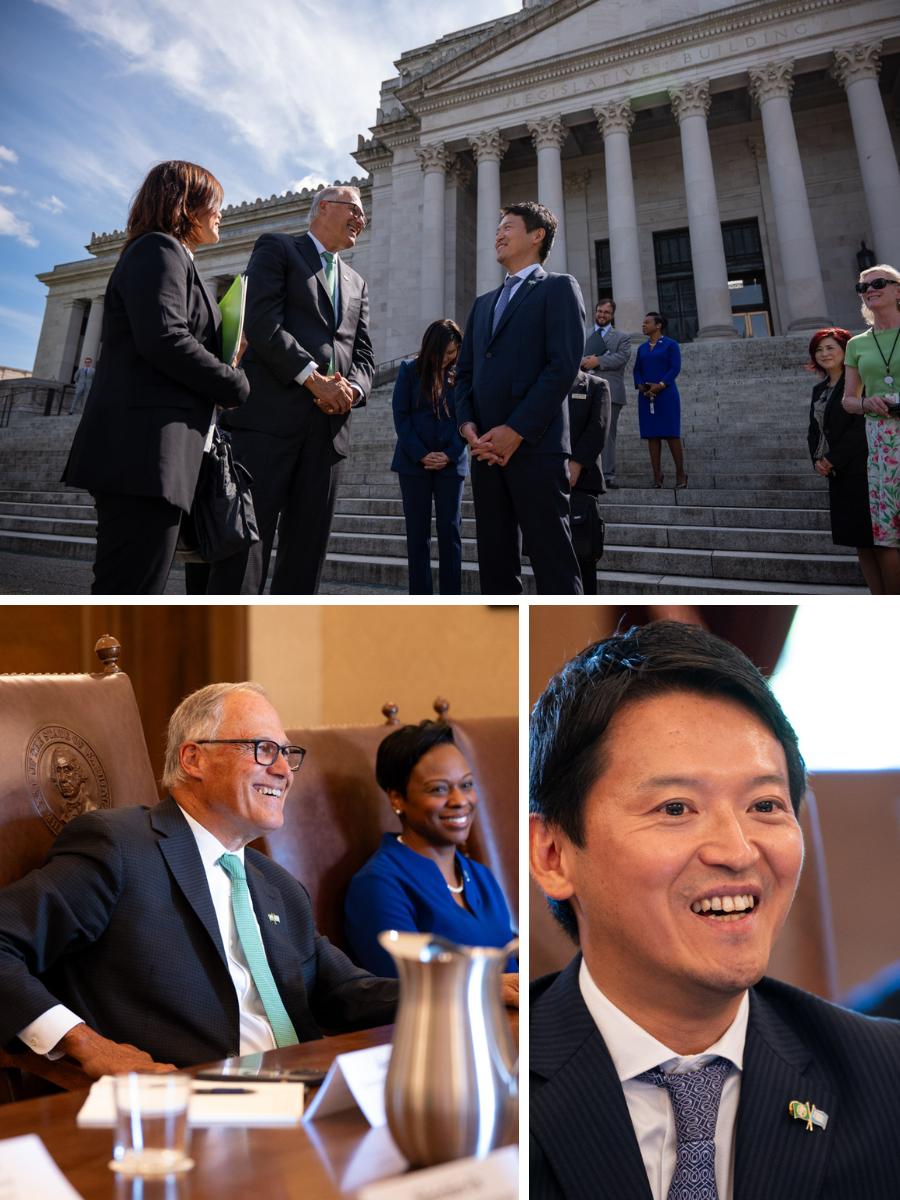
84 377
309 361
606 353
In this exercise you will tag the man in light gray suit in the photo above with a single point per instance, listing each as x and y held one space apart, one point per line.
606 354
84 377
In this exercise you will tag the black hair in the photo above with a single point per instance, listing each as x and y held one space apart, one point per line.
401 750
606 300
660 320
535 216
568 746
429 363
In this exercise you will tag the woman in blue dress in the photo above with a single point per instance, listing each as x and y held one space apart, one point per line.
656 367
420 881
431 459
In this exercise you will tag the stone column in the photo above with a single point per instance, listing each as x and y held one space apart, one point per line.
575 187
488 148
856 70
457 247
435 160
690 104
615 120
548 135
771 88
91 345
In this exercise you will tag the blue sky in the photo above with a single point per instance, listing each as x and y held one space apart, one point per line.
269 96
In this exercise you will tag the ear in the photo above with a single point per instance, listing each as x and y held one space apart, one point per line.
397 801
189 755
550 853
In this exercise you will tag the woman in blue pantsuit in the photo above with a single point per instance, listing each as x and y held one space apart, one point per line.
431 459
656 367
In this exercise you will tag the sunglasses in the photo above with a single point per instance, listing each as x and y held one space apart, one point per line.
878 284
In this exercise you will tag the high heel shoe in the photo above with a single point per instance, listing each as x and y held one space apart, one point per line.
662 480
679 486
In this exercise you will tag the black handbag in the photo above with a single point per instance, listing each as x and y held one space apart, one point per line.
587 526
221 521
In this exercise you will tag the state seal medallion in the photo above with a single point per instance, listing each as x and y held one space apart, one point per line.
64 776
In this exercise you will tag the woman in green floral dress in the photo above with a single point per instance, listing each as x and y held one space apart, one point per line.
873 364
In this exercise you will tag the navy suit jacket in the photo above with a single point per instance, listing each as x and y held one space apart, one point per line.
520 375
420 431
799 1047
290 322
119 926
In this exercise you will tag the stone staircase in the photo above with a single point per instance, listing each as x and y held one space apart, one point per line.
754 520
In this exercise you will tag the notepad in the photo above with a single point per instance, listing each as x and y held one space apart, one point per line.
27 1171
253 1105
232 306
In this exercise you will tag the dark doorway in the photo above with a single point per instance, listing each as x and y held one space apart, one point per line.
604 271
675 283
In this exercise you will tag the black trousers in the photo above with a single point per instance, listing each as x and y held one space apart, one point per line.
417 492
297 477
136 540
530 497
588 569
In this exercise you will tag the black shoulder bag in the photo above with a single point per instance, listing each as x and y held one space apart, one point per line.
221 521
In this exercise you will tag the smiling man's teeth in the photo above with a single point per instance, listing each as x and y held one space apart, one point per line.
724 908
269 791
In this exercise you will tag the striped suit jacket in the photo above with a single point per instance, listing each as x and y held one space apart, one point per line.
799 1047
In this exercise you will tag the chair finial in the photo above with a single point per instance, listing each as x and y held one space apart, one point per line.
390 713
441 707
107 650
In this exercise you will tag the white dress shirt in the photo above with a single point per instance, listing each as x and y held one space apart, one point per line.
310 367
521 276
256 1032
634 1051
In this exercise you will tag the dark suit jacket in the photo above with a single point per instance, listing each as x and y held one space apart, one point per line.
290 322
848 450
521 375
420 431
157 381
119 926
583 1145
614 352
589 418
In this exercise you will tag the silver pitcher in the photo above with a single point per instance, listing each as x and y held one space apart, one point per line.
452 1085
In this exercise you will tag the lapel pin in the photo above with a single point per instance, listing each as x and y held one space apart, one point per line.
274 918
808 1113
532 282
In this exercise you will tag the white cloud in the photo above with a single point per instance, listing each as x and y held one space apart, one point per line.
308 181
12 226
7 155
7 191
296 83
52 205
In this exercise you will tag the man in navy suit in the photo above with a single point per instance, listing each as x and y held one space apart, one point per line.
665 783
520 354
154 938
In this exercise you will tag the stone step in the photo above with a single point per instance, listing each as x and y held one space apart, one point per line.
58 527
60 512
706 537
48 545
22 493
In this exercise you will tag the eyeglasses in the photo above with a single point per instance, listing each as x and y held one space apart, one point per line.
878 284
265 751
355 209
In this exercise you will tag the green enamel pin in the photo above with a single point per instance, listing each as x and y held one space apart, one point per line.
808 1113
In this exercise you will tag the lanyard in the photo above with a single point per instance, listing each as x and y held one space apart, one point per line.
887 361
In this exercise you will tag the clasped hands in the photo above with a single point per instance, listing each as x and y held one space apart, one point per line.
652 389
435 460
823 466
333 394
496 446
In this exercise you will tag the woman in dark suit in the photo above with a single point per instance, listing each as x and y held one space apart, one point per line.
589 419
160 377
431 459
838 448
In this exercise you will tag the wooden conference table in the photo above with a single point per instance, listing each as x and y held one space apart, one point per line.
330 1157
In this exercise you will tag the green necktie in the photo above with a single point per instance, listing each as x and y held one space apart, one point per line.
255 954
331 280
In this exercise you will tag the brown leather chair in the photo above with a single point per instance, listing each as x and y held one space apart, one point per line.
336 813
68 743
804 954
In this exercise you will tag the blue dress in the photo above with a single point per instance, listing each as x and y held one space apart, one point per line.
399 889
659 365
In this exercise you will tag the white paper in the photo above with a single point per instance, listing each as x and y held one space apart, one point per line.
493 1178
28 1171
261 1105
354 1078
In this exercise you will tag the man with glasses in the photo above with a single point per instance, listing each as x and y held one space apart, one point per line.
153 938
309 361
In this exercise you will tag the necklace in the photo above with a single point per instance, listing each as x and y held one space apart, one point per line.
889 382
455 890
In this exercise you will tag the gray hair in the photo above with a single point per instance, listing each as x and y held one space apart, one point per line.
198 716
887 272
331 193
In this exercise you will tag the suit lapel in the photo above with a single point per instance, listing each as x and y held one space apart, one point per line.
280 953
523 291
179 849
579 1116
307 248
776 1156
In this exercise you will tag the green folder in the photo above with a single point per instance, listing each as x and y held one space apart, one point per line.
232 307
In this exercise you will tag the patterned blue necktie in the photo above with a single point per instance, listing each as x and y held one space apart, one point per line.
695 1097
508 284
